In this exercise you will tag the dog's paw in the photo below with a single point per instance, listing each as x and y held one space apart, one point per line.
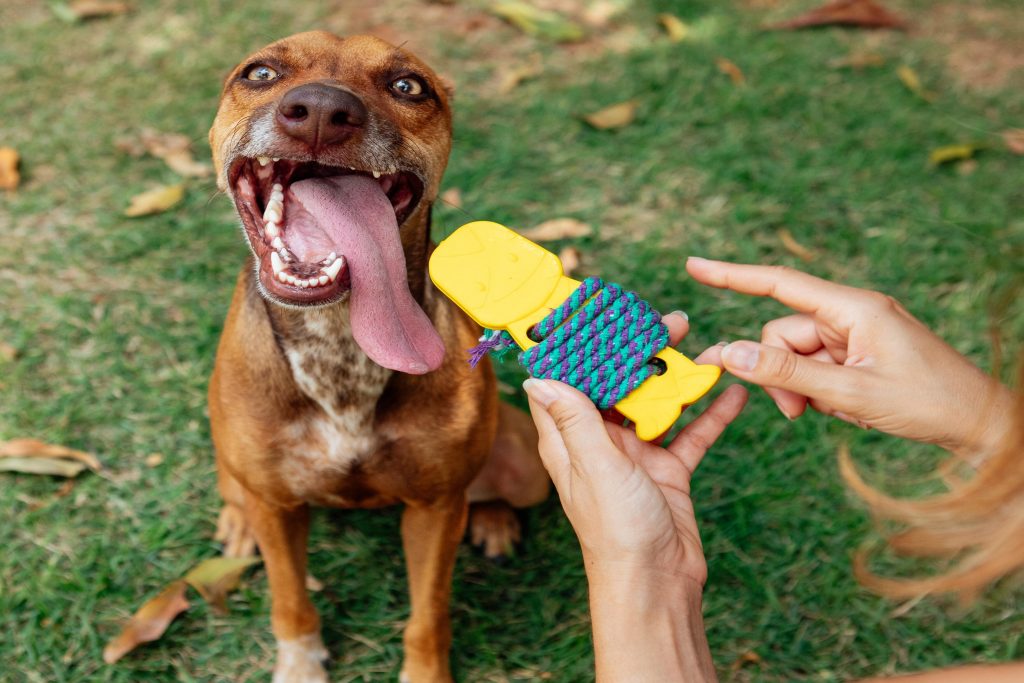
234 532
495 528
301 660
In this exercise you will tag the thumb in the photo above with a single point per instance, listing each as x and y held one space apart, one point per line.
770 366
574 424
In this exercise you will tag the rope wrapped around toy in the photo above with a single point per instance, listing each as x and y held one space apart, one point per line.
600 340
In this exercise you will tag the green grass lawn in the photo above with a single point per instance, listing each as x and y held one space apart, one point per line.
115 321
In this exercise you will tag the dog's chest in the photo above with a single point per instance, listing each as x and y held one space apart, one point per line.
321 445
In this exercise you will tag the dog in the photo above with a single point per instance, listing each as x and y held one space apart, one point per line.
340 378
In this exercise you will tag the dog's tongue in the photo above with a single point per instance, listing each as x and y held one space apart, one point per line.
356 217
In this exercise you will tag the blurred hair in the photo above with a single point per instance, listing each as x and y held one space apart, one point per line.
978 523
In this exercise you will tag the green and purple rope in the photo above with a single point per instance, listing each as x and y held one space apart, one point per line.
599 340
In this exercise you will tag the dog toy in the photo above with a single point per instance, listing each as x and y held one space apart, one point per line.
603 340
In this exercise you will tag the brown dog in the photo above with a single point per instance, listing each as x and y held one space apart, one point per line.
332 386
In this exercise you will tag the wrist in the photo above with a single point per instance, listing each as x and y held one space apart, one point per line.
647 625
990 430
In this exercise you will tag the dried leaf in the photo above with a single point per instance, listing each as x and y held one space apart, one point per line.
313 584
729 68
675 27
216 577
513 76
155 201
452 197
910 79
556 229
54 467
944 155
858 61
9 176
80 10
176 151
794 247
748 657
33 448
538 22
7 352
570 258
616 116
1014 139
599 13
154 459
854 13
149 623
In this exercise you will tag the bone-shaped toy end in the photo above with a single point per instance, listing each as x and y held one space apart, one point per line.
657 403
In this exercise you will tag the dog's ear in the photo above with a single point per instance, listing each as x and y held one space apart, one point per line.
448 85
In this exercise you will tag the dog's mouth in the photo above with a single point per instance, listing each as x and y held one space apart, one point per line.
321 233
296 215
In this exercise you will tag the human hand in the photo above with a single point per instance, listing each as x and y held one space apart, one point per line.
860 356
627 499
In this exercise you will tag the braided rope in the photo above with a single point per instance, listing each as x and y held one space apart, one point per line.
599 340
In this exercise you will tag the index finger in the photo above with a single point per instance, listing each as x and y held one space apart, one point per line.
800 291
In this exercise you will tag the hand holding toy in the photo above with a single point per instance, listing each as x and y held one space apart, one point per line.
605 341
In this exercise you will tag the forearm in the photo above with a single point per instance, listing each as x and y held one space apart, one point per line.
647 629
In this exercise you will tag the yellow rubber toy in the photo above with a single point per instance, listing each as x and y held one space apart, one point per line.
504 281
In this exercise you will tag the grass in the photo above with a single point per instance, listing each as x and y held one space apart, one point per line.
116 321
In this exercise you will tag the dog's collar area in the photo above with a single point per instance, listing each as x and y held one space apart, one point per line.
296 263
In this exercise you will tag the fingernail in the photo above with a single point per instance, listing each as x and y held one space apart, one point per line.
783 411
741 355
539 392
722 343
682 313
696 259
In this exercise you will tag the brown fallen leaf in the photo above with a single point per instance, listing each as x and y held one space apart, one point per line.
854 13
538 22
9 176
154 459
729 68
944 155
218 576
452 197
570 258
748 657
176 151
675 27
156 200
149 623
1014 139
513 76
34 448
912 81
616 116
794 247
313 584
7 352
556 229
858 61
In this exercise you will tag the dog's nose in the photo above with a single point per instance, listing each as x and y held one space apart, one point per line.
319 114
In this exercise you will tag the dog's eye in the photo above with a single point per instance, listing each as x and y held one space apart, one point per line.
260 72
408 86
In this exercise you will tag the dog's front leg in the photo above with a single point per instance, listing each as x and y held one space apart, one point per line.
430 536
281 535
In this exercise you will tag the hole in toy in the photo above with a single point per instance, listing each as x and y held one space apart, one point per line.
533 336
660 367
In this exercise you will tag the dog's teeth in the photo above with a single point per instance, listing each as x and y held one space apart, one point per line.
332 270
277 187
271 229
376 174
285 254
323 279
277 159
276 262
282 276
272 214
314 282
278 244
263 160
